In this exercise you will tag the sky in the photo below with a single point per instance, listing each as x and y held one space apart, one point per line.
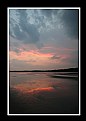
43 39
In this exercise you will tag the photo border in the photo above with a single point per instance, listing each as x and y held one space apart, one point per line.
79 53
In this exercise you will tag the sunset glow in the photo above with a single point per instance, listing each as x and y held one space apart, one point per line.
36 90
50 43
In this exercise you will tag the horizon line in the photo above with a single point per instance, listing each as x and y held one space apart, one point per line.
47 69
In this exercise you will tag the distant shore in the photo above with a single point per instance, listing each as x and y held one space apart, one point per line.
56 70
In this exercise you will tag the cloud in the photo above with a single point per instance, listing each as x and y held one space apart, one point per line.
55 57
42 38
74 58
39 45
67 19
70 22
46 12
26 25
15 45
23 30
49 12
20 65
71 59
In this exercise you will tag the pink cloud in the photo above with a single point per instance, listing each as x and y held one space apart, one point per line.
42 58
32 56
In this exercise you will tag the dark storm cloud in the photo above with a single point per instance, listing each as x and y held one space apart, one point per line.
24 31
70 22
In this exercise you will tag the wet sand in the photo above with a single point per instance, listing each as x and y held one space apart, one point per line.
42 103
46 96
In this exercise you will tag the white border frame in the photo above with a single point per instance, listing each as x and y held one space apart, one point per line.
8 61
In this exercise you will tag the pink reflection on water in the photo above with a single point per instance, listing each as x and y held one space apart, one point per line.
39 86
23 89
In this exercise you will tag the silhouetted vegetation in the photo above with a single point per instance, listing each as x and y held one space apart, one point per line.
58 70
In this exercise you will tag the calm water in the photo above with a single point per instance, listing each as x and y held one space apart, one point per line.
40 92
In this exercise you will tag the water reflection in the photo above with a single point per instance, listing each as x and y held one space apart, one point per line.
23 89
35 92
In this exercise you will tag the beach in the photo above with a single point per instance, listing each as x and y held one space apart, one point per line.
39 93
